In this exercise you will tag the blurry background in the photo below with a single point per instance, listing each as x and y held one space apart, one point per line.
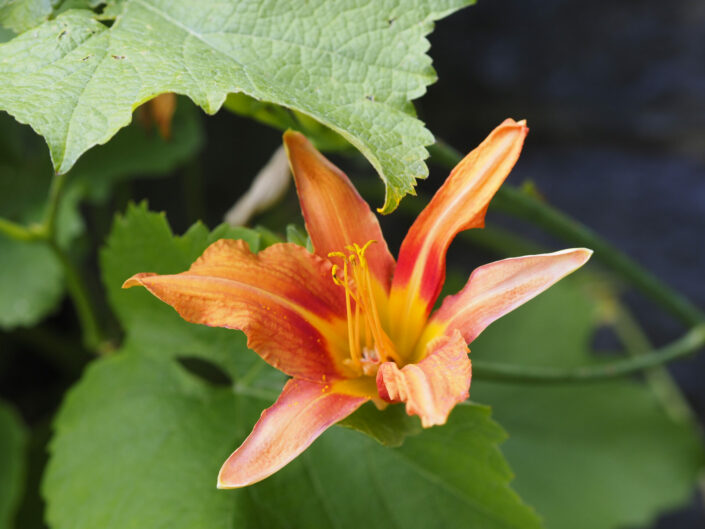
614 94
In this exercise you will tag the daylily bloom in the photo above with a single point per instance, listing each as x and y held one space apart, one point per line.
347 323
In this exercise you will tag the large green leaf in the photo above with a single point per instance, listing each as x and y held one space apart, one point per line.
12 464
352 65
34 284
596 456
139 442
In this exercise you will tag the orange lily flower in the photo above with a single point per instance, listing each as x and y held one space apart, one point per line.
346 322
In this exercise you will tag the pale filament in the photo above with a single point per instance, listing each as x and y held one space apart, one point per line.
359 289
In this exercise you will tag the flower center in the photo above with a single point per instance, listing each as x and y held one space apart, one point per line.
368 342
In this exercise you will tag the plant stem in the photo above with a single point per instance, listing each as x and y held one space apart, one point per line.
658 378
55 193
691 342
526 207
78 291
18 232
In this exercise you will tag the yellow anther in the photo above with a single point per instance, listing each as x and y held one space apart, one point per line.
359 288
334 273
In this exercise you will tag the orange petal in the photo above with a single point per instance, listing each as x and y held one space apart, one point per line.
459 204
497 288
283 298
302 412
432 387
335 214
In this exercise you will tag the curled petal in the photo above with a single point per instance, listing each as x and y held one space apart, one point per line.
459 204
432 387
335 214
497 288
283 298
303 411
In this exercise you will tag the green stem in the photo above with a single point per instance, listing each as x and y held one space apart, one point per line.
666 390
21 233
78 291
526 207
691 342
58 183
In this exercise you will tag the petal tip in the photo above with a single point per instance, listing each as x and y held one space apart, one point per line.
136 280
230 478
293 139
226 484
584 254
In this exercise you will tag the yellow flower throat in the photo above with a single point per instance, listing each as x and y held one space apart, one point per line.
368 342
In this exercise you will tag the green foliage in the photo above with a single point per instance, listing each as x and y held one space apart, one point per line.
142 241
598 456
12 464
34 285
389 427
31 284
139 443
450 476
283 119
354 66
20 15
139 440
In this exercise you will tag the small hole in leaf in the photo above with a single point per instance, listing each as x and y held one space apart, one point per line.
205 370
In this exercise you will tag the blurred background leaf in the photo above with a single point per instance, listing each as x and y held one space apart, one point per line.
34 286
12 464
603 455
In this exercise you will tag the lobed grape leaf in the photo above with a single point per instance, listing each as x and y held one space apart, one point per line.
352 65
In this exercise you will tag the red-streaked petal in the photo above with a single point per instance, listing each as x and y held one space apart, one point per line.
432 387
497 288
302 412
283 298
335 214
459 204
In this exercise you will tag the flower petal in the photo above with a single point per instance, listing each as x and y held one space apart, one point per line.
303 411
432 387
283 298
335 214
459 204
497 288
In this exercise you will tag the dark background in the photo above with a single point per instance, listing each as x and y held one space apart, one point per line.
614 94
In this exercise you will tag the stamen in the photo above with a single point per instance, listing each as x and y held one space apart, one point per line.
377 345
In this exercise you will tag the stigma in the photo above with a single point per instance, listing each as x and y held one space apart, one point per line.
368 343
